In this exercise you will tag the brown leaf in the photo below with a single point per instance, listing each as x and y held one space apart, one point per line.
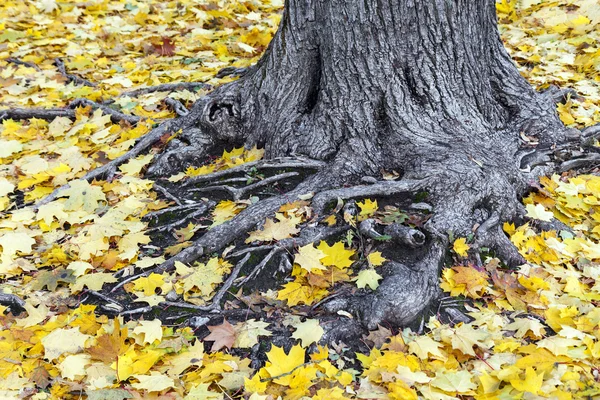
164 47
40 377
379 336
110 346
222 335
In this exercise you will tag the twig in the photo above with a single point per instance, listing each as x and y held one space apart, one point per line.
116 116
70 77
21 62
167 194
176 106
110 168
104 297
140 310
166 87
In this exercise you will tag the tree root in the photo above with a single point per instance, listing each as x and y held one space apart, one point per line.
380 189
239 193
166 87
16 61
276 163
70 77
10 300
176 106
109 169
115 116
40 113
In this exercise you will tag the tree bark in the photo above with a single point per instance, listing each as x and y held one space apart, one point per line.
424 88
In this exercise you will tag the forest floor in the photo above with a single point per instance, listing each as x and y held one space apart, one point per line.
64 331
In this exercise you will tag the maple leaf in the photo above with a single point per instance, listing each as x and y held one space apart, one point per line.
152 330
226 210
281 364
221 335
164 47
454 381
422 346
309 258
247 332
375 259
283 229
74 365
368 277
538 212
109 346
367 207
461 247
379 336
532 383
192 356
51 279
465 337
308 332
336 255
82 196
296 293
62 341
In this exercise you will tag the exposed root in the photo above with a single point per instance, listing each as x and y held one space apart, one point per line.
231 71
380 189
490 234
70 77
109 169
276 163
557 95
16 61
10 300
176 106
167 87
115 116
47 114
167 194
198 212
240 193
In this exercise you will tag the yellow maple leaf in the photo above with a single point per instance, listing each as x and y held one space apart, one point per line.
149 284
367 208
376 259
284 228
532 382
336 255
280 364
461 247
226 210
309 258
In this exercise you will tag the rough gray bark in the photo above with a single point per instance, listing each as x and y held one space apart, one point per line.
424 88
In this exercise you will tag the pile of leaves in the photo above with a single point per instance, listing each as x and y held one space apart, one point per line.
535 330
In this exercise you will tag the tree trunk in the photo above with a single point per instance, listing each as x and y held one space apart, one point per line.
423 88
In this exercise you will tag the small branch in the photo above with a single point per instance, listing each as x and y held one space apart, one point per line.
21 62
11 300
110 168
140 310
166 87
104 297
116 116
166 193
70 77
176 106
